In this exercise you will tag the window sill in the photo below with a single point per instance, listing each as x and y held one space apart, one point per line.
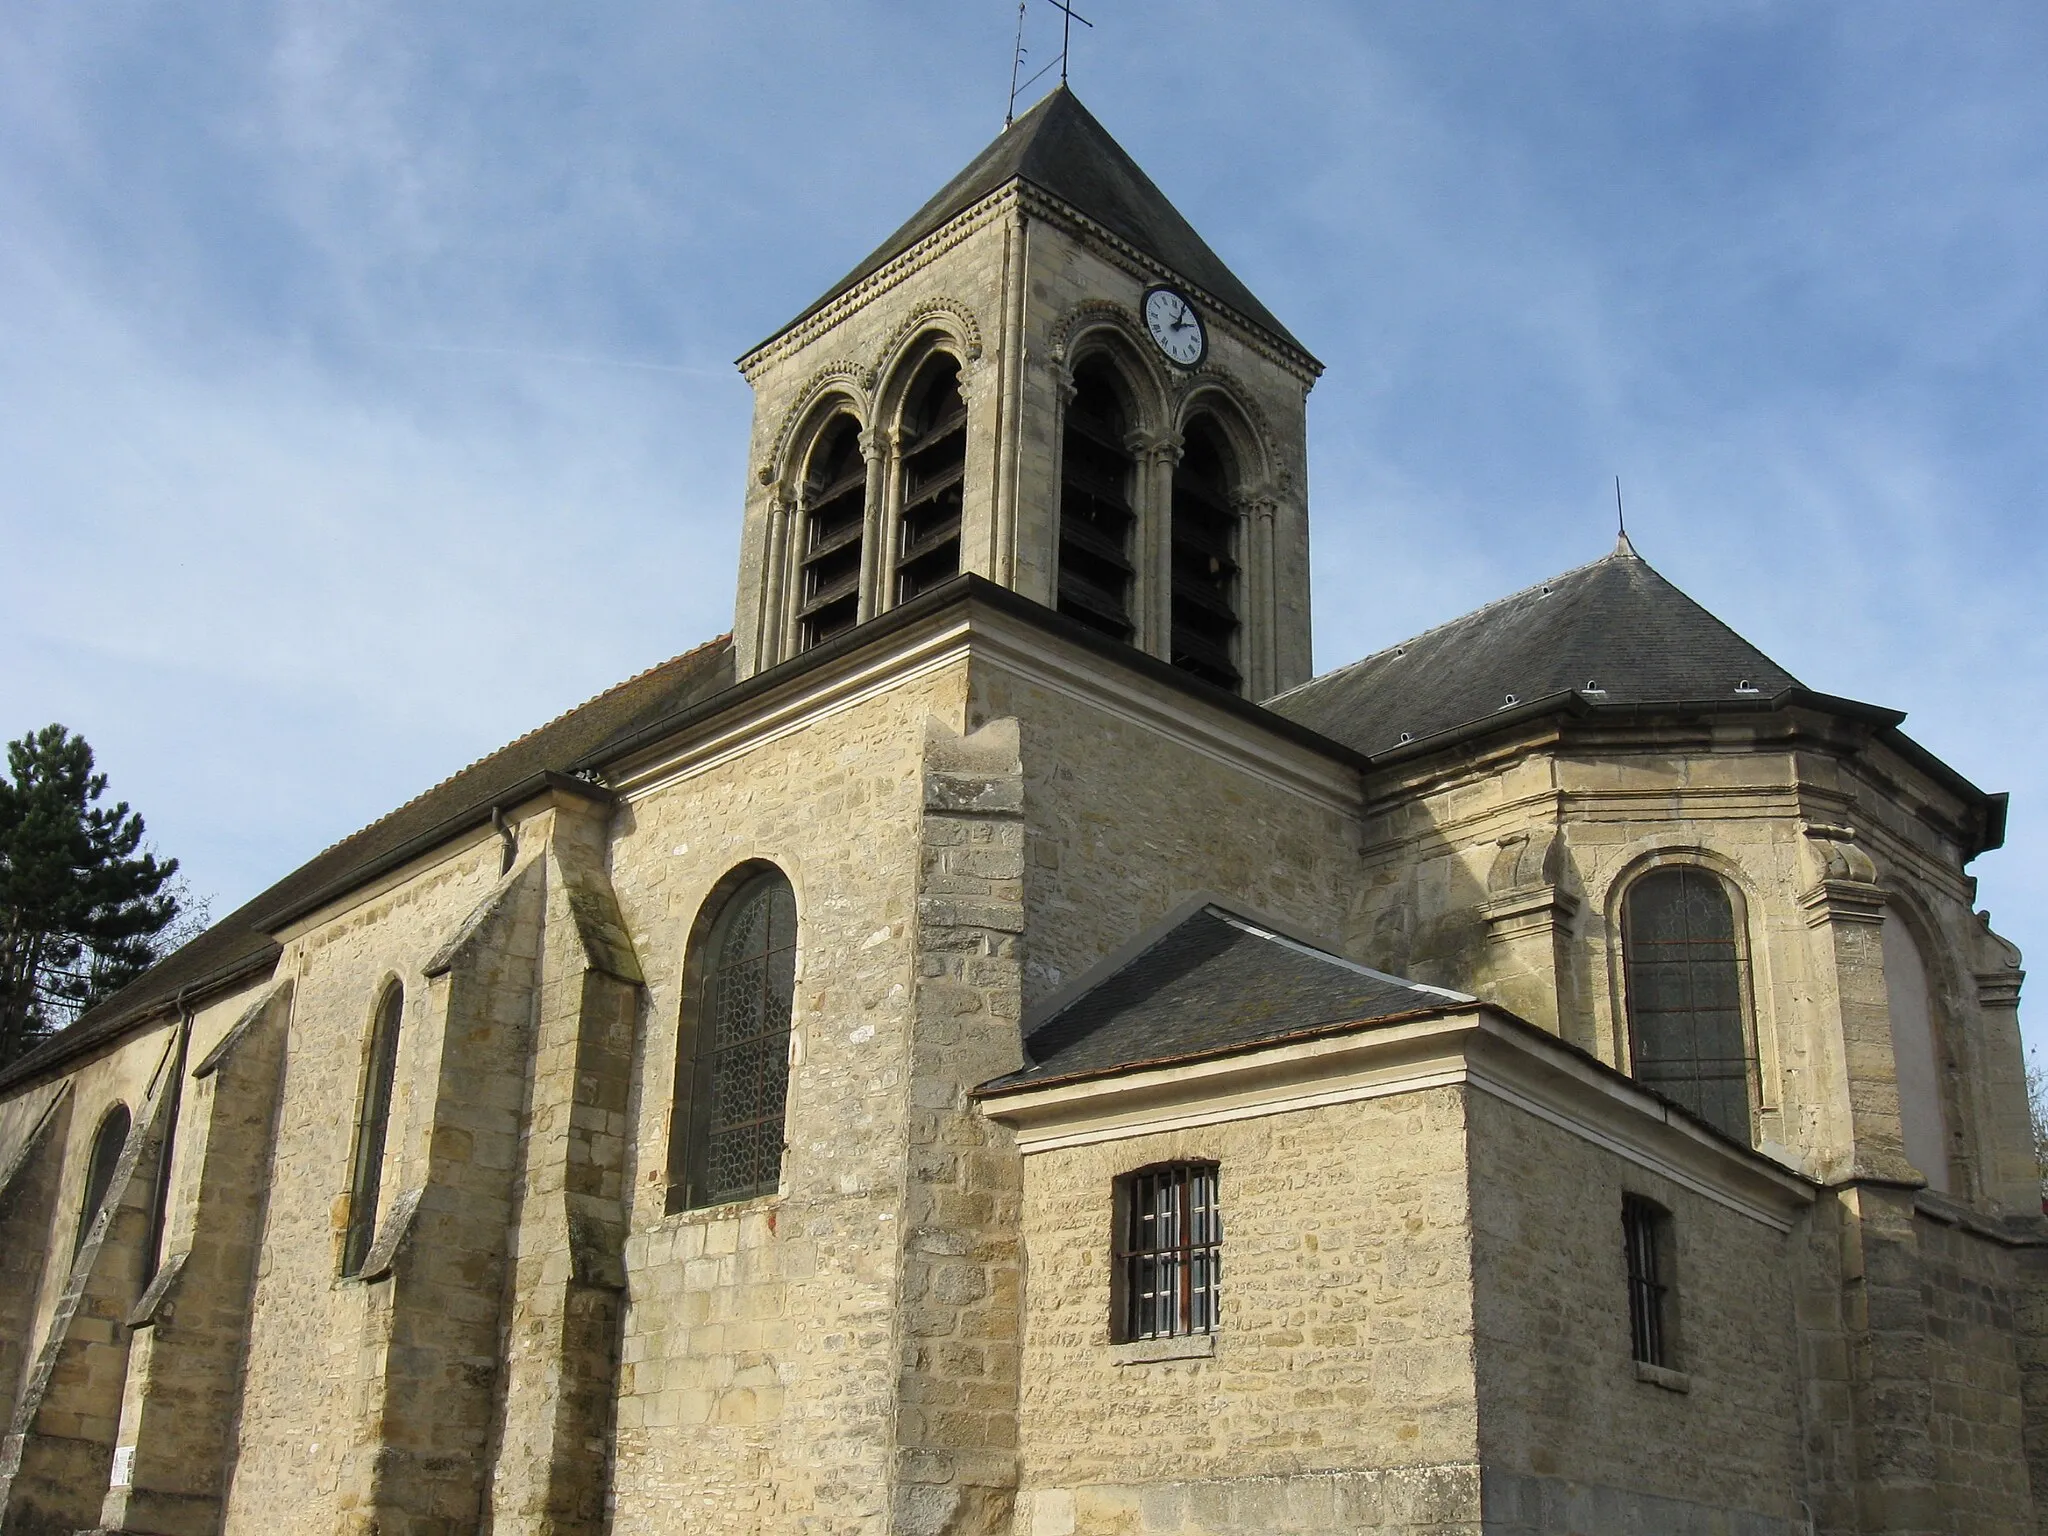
1659 1376
1190 1346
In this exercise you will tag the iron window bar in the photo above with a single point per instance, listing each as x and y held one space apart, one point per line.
1170 1252
1649 1289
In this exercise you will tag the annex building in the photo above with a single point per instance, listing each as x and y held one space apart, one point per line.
996 1046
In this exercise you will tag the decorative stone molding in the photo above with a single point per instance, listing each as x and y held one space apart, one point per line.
1093 315
1845 887
853 379
965 330
1211 379
1524 890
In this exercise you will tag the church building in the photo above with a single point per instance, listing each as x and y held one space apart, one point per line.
997 1045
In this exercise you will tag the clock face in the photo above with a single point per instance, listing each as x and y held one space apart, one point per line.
1175 326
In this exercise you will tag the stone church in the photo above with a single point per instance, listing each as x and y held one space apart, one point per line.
996 1044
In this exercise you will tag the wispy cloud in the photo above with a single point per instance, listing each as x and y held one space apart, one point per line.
367 365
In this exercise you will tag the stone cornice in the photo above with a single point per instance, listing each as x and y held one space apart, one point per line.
1473 1047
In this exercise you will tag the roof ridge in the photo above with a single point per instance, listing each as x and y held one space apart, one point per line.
498 751
1419 636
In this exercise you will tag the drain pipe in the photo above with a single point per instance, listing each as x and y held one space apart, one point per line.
504 830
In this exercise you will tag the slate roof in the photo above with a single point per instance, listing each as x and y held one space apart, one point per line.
1204 983
1614 631
240 943
1061 149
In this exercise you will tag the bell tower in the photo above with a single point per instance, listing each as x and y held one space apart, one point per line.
1047 378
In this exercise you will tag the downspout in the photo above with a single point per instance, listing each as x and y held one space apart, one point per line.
511 840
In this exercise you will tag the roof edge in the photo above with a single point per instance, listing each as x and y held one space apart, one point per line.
26 1070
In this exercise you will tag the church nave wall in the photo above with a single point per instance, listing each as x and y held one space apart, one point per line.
766 1380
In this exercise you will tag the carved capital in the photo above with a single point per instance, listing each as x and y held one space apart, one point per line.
1161 448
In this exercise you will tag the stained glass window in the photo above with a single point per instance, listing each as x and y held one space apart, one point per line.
1686 988
739 1068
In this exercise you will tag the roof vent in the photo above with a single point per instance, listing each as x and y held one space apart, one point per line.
1510 699
1400 650
1592 686
1746 686
1404 738
1546 589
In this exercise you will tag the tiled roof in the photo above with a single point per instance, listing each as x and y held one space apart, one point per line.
1208 981
1060 148
241 942
1614 631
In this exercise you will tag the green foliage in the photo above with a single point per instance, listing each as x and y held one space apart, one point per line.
81 911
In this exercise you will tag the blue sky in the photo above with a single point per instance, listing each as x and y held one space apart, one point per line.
367 366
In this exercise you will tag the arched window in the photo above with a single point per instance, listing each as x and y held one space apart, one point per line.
1096 510
1205 558
373 1120
733 1080
835 509
107 1143
934 466
1687 994
1916 1053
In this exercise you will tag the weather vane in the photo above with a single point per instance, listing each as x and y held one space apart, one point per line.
1068 16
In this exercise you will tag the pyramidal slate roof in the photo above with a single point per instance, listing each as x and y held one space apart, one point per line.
1614 632
1204 982
1061 149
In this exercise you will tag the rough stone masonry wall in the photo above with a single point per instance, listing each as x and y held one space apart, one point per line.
1125 821
1341 1393
759 1378
312 1371
1564 1423
1974 1418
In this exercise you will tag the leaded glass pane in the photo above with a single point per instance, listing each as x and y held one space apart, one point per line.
740 1080
1685 995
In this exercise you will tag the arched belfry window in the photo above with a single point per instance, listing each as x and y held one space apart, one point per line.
107 1143
1687 981
1096 507
732 1077
934 469
373 1123
1205 558
835 507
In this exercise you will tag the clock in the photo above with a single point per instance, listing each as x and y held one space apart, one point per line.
1172 320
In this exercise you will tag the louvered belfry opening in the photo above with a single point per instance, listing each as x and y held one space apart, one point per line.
835 507
934 470
1096 515
1205 559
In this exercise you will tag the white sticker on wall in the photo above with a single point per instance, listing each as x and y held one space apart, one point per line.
124 1466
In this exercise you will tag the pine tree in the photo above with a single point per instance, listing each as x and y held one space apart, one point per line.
80 910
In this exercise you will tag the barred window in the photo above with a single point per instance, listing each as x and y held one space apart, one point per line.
1646 1238
1169 1252
373 1123
1687 989
107 1144
730 1121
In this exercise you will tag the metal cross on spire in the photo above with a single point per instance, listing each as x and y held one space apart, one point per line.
1068 16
